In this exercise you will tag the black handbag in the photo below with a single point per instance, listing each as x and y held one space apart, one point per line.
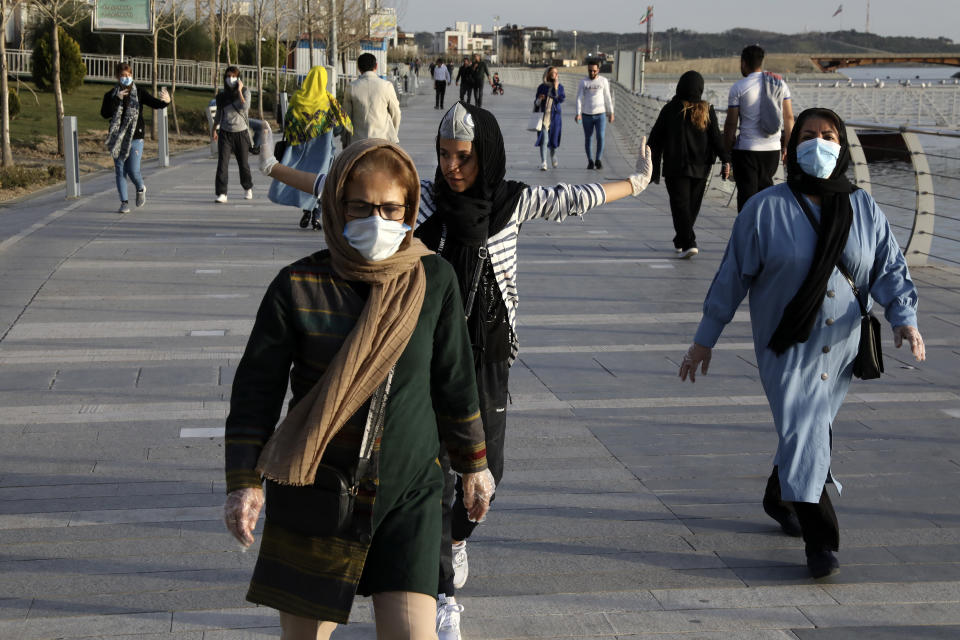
279 148
868 365
325 508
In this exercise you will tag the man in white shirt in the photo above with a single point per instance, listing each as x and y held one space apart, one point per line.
593 103
371 103
441 78
755 155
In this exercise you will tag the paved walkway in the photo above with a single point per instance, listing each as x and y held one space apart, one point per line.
631 503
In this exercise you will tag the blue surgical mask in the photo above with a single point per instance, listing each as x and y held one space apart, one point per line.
818 157
126 81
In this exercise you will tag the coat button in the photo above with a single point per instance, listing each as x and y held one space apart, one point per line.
824 376
831 293
826 349
829 322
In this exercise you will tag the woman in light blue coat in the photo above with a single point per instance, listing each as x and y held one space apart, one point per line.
805 315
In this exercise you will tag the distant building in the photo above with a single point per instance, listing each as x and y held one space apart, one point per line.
407 44
464 38
527 45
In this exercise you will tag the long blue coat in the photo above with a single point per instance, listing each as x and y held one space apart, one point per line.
556 122
768 255
313 156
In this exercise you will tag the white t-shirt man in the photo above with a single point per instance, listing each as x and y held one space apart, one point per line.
745 95
593 96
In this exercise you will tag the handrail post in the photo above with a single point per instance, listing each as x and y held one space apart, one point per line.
861 172
163 138
71 156
921 236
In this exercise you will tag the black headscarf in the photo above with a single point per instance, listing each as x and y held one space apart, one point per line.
836 216
690 87
470 218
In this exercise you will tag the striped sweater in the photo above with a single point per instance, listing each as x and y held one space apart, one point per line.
551 203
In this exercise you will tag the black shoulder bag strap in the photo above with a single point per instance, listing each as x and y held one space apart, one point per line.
482 255
842 269
374 428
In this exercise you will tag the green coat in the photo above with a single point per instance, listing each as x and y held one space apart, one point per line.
305 315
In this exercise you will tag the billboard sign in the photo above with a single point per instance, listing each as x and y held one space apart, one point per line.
122 16
384 24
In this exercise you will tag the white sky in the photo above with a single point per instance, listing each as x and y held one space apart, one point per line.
926 18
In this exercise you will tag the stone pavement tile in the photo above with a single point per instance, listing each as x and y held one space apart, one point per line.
490 607
751 634
14 608
175 376
933 632
537 626
601 503
560 559
855 594
887 614
850 538
17 379
146 549
852 574
85 626
263 633
502 527
100 503
647 578
742 598
702 620
933 553
650 510
137 580
129 516
51 492
139 601
155 530
69 378
240 618
787 557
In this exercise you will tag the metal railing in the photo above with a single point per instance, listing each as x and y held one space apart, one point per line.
915 186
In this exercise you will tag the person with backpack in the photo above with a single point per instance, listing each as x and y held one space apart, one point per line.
759 105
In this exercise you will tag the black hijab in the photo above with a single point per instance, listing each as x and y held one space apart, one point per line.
836 216
465 221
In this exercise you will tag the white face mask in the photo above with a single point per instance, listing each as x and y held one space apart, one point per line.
231 81
375 238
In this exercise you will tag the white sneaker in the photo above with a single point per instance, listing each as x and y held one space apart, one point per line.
543 166
556 163
448 618
248 194
461 568
688 253
221 198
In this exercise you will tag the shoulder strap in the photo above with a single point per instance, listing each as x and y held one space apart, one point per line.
840 267
374 427
482 255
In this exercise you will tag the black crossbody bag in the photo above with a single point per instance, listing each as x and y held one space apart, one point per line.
326 507
868 365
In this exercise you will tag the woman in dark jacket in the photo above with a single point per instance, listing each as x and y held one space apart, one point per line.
123 106
686 137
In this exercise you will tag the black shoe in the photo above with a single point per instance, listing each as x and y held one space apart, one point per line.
822 564
598 164
788 520
305 219
315 220
589 164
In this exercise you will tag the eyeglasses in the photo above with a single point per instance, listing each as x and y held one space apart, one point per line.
386 210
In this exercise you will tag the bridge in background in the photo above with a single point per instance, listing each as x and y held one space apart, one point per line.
827 63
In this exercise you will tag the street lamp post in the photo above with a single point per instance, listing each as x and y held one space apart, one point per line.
575 45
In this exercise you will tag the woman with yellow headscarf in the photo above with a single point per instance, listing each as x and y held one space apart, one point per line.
312 119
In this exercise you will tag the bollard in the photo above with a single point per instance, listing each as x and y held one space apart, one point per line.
71 156
406 84
281 117
163 141
211 114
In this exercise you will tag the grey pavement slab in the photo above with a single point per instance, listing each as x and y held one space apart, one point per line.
630 507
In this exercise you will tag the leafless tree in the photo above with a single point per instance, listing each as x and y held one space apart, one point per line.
173 23
62 13
7 9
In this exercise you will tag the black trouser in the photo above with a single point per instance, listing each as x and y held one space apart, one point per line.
492 382
236 143
818 522
478 95
686 195
753 171
439 88
466 91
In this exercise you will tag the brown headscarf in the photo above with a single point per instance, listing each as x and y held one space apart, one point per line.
397 286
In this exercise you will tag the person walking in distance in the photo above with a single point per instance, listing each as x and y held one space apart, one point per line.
465 80
760 147
230 131
123 106
481 78
686 137
594 102
371 104
441 78
550 95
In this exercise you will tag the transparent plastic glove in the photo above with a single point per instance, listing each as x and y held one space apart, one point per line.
267 161
640 179
696 355
911 335
241 511
478 489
